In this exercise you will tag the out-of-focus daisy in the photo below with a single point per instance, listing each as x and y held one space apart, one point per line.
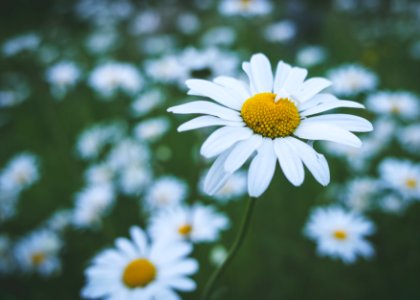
147 21
20 173
404 105
310 56
234 188
134 179
197 224
392 203
409 138
38 253
219 36
104 13
166 69
62 76
59 220
108 78
340 234
128 152
359 193
246 8
402 176
351 79
99 174
188 23
152 130
139 269
92 140
165 192
17 44
101 41
91 205
268 116
159 44
281 32
147 102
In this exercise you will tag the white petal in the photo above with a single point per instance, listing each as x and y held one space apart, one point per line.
315 162
222 139
235 85
126 247
295 80
345 121
289 162
311 87
246 66
262 169
214 91
282 72
139 239
323 102
326 132
181 268
207 108
216 176
241 152
182 284
262 74
207 121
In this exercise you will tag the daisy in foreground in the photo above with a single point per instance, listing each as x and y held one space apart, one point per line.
137 269
269 115
340 234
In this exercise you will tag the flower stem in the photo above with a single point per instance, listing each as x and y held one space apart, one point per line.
236 244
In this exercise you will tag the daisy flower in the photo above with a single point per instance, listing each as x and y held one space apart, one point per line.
270 115
197 224
38 252
62 76
401 176
20 173
139 269
340 234
409 138
352 79
166 192
246 8
359 193
152 130
403 105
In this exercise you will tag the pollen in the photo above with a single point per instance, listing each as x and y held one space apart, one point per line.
139 273
270 118
185 229
340 235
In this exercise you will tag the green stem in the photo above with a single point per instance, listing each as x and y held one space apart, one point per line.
236 244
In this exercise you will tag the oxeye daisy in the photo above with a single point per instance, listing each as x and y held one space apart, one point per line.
272 115
139 269
340 234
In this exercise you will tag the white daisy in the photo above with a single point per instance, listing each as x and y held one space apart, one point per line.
147 102
165 192
92 204
134 179
62 76
59 220
340 234
101 41
409 138
9 200
404 105
268 116
139 269
359 193
245 7
351 79
402 176
280 32
17 44
197 224
310 56
128 152
219 36
147 21
108 78
152 130
100 173
20 173
166 69
393 204
38 252
188 23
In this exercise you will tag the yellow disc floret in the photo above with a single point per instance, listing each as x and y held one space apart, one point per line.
270 118
139 273
185 229
340 235
411 183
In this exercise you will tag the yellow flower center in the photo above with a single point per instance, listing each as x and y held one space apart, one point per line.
38 258
185 229
269 118
411 183
139 273
340 235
